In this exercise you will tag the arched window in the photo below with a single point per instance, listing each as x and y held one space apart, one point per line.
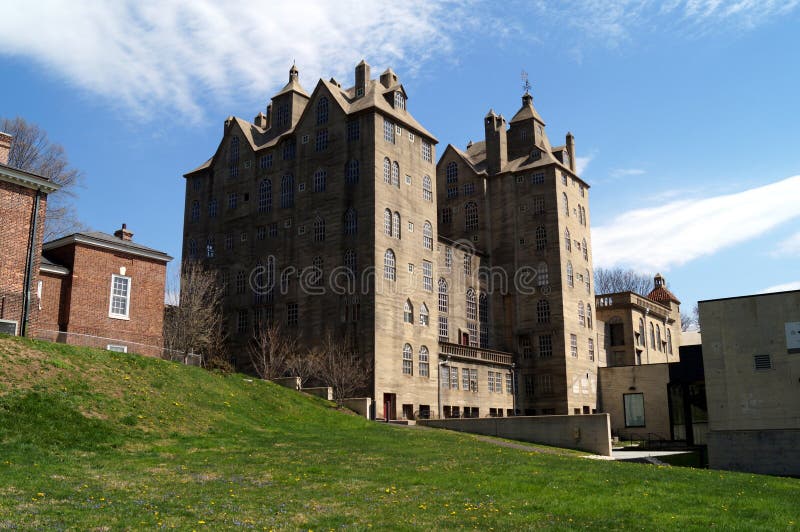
652 337
543 311
387 222
587 278
580 215
581 315
424 363
567 241
350 221
472 310
387 170
322 111
195 211
427 235
658 338
588 315
320 180
408 312
570 276
316 276
483 308
642 339
396 224
351 172
669 341
565 203
424 315
585 250
210 246
192 248
471 216
427 189
350 261
408 360
319 229
389 268
265 195
452 172
543 274
444 297
541 238
287 191
396 174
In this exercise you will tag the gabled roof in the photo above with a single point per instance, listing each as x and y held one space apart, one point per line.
526 112
106 241
662 295
478 167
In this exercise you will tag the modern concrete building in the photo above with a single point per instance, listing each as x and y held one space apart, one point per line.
328 212
751 354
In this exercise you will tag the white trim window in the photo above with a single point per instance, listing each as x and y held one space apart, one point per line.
120 301
117 348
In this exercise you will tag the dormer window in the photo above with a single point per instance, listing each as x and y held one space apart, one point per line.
399 100
536 154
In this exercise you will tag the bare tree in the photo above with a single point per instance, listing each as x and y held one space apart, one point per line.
270 349
687 322
612 280
32 151
303 364
339 367
195 324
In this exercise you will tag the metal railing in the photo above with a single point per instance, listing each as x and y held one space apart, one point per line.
477 354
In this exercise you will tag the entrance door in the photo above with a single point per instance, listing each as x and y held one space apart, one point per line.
389 406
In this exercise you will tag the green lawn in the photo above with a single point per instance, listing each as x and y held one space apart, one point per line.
97 440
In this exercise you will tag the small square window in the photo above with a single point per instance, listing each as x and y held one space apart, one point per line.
302 187
408 179
304 139
410 267
410 227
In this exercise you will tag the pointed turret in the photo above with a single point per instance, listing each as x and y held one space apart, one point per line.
288 104
526 132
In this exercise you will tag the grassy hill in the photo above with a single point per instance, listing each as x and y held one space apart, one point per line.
96 440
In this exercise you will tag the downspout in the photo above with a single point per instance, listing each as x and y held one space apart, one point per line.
29 262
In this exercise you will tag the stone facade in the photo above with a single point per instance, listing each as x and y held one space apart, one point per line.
103 291
751 355
23 202
339 187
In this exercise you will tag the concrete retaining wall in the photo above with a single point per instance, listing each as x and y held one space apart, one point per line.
326 392
288 382
359 405
591 433
769 452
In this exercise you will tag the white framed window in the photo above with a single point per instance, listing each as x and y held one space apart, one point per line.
427 189
424 316
424 364
427 152
120 301
408 312
408 360
573 345
117 348
427 275
427 236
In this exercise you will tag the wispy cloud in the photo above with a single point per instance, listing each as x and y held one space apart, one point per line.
581 163
680 231
795 285
618 173
788 247
150 54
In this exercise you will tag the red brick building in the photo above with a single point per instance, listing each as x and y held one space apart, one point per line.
23 203
103 291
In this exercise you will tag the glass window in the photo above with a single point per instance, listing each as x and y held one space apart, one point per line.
447 216
427 189
570 276
387 170
471 305
322 111
320 180
543 275
581 315
424 315
408 312
471 216
573 345
287 191
389 268
265 196
396 225
564 204
321 143
424 364
387 222
452 172
427 275
633 404
444 297
195 211
585 250
353 130
351 172
119 304
545 346
350 221
541 238
396 174
319 229
427 236
427 152
388 131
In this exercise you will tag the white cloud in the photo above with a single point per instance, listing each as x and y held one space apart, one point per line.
788 247
626 172
147 54
674 233
795 285
581 163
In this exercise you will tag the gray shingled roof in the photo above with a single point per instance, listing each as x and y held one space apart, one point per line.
100 238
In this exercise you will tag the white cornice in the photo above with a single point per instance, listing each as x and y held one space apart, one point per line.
88 240
26 179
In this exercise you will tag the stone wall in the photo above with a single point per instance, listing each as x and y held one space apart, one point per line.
768 452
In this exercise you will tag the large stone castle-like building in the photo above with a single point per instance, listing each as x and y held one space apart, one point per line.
467 284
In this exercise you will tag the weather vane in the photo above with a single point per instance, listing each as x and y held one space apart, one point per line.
525 83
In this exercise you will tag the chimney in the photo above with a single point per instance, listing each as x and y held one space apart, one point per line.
260 120
388 78
496 142
571 150
362 78
5 147
123 233
269 116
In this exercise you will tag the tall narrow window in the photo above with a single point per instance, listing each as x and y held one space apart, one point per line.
353 130
427 275
641 332
669 342
581 315
543 311
452 173
467 264
210 248
319 229
350 261
471 216
265 195
570 275
427 189
387 170
427 151
567 241
119 304
396 174
408 360
408 312
388 131
483 308
573 345
587 279
192 248
652 337
317 271
447 216
585 250
542 275
387 222
396 224
424 315
588 315
351 172
350 221
541 238
444 297
427 236
389 266
287 191
212 208
322 111
565 204
424 364
320 180
658 338
195 211
321 143
233 158
471 305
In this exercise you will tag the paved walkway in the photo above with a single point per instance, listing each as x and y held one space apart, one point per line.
636 456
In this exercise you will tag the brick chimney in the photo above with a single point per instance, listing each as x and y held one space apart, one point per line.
123 233
5 147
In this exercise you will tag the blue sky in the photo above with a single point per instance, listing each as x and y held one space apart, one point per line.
684 111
